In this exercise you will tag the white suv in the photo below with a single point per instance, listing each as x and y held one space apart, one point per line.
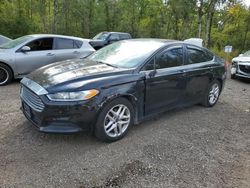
241 66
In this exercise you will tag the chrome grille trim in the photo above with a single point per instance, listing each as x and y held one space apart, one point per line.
32 99
243 68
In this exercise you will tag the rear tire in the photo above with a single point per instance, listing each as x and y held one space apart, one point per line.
6 75
114 120
212 94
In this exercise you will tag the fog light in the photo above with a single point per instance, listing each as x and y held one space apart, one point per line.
233 70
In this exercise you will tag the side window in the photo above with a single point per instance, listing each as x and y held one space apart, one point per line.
166 59
124 36
62 43
196 55
77 44
149 65
169 58
41 44
114 36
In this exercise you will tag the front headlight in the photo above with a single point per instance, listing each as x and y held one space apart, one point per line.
73 96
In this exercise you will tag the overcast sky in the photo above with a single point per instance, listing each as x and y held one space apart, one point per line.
247 2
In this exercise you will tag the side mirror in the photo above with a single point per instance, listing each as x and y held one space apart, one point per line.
240 55
152 73
25 49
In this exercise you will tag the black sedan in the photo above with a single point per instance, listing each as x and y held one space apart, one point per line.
121 85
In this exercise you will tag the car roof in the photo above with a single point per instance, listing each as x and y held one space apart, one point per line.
59 36
111 32
163 41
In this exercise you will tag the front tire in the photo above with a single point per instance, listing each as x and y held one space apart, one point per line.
5 75
212 94
114 120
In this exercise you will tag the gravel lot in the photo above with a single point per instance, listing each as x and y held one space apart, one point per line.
190 147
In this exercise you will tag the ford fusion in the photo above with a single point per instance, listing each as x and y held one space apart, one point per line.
121 85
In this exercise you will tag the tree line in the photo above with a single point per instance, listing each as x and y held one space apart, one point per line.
217 22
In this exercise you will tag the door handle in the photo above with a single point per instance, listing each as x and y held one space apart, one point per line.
183 73
50 54
76 52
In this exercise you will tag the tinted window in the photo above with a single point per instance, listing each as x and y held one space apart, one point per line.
114 36
62 43
124 36
196 55
41 44
77 44
169 58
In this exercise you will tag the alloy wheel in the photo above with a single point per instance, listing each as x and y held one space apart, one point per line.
4 76
117 120
214 94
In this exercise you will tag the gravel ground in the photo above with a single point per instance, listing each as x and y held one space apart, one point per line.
189 147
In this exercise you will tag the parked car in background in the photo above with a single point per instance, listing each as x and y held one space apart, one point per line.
195 41
119 85
25 54
241 66
4 39
104 38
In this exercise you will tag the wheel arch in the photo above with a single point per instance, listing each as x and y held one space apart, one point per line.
130 97
1 62
221 83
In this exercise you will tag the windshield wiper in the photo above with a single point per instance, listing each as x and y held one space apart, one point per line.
108 64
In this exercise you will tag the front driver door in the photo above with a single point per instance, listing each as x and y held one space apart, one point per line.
41 54
164 89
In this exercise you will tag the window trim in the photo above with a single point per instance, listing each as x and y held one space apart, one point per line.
19 49
190 46
169 47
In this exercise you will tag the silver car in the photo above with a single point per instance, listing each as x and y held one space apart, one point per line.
4 39
21 56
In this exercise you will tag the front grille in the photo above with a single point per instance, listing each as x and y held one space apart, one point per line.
245 68
32 99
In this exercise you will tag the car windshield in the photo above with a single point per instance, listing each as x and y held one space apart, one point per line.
101 36
247 53
16 42
126 54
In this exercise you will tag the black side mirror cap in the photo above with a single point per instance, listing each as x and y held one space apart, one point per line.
152 73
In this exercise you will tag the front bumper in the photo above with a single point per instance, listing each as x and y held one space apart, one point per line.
56 117
241 70
63 118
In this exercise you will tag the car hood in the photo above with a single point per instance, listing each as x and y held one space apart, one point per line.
3 50
72 73
242 58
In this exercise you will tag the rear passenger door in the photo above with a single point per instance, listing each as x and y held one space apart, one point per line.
67 48
198 72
